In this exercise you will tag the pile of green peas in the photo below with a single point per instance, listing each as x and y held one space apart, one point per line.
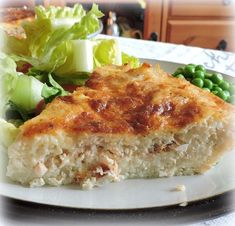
212 82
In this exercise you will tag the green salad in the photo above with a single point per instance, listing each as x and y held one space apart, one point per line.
57 55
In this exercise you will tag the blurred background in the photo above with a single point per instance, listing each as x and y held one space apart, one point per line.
202 23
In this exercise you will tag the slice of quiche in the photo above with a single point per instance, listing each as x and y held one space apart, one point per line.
124 123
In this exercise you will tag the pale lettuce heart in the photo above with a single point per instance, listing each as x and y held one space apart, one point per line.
80 59
107 51
24 91
8 133
27 93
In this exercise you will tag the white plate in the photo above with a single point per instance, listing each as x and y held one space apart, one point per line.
131 194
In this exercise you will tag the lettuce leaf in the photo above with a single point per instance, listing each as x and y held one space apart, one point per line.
8 78
107 51
22 90
80 60
86 55
52 91
77 79
27 93
8 133
15 114
53 12
133 61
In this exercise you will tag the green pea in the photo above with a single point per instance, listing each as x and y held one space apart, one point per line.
189 71
217 88
222 95
217 78
200 68
206 89
208 75
194 65
179 76
227 93
232 89
224 85
198 82
179 70
208 84
199 74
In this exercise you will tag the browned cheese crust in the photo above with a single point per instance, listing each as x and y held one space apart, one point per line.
120 100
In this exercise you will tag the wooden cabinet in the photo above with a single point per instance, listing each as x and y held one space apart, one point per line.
203 33
202 23
204 8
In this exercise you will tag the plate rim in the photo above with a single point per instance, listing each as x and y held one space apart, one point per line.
232 190
195 210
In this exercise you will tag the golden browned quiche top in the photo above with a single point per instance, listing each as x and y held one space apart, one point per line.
117 100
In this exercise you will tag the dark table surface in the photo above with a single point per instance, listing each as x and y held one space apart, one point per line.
15 212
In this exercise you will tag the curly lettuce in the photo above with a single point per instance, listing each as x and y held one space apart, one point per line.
62 46
8 77
52 12
108 51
